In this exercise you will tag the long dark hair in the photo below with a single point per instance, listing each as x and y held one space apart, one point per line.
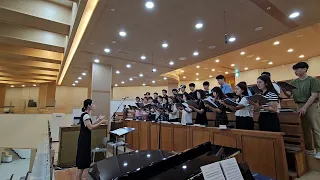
86 103
219 92
243 86
202 93
268 83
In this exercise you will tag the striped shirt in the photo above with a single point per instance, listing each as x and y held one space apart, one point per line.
271 97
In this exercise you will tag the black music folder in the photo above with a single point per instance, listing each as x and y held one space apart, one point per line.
180 106
286 86
255 98
140 105
133 107
231 95
230 102
210 103
192 103
254 90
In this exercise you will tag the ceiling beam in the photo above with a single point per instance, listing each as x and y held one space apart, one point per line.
30 63
30 53
22 80
26 76
28 20
29 71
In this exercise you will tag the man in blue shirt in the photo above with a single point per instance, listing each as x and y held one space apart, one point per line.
226 88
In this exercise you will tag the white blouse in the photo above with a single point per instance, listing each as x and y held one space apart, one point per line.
247 111
186 117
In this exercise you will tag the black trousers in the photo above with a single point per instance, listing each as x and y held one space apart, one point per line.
269 122
244 123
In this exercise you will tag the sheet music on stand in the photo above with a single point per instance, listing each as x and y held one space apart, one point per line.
122 131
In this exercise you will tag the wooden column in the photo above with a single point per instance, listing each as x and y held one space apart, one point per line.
47 94
2 94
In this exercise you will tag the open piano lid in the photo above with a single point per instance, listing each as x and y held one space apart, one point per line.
159 164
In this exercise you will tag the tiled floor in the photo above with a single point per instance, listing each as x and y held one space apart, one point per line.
312 175
18 167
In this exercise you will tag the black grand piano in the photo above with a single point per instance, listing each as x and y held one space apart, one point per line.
159 164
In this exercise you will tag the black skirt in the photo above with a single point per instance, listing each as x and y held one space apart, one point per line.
244 123
269 122
83 159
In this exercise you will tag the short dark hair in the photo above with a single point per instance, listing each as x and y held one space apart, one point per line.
164 90
147 93
192 85
300 65
156 93
150 98
206 83
160 97
220 77
174 90
266 73
137 97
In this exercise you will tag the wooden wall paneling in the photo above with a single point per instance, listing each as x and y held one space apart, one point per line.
51 94
199 135
225 139
135 135
281 159
144 136
154 136
166 137
260 156
42 98
129 136
180 138
2 94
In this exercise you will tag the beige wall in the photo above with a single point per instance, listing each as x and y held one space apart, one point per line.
279 73
18 96
133 92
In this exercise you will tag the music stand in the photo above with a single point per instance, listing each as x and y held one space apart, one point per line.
119 133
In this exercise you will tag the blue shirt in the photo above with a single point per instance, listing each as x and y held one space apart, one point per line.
249 92
226 88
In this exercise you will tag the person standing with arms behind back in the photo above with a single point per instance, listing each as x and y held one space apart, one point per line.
83 158
226 88
306 96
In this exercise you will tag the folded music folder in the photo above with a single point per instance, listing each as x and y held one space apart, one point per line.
258 98
286 86
210 103
192 103
231 95
230 102
254 90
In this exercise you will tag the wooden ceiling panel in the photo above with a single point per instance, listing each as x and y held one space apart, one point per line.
30 64
26 76
28 71
22 80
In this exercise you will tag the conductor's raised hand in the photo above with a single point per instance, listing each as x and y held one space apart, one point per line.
101 117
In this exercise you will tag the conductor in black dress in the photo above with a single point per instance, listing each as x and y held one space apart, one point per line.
83 159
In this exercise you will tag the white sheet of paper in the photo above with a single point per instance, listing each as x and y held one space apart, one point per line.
212 171
231 169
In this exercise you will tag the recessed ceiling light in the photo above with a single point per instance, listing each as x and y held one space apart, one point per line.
227 72
118 72
212 69
290 50
171 63
141 75
276 43
210 76
257 58
197 79
83 74
143 84
34 85
270 63
212 47
79 78
243 53
73 84
122 82
23 85
184 77
199 25
12 86
294 15
165 45
114 42
198 66
149 5
182 71
143 57
122 33
131 79
197 74
232 39
301 56
128 65
154 70
195 53
183 58
96 60
246 68
76 81
113 10
232 65
165 78
116 85
258 28
107 50
153 81
217 60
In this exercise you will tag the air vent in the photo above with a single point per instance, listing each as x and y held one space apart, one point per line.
125 51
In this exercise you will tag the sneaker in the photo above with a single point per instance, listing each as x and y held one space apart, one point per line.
311 152
317 156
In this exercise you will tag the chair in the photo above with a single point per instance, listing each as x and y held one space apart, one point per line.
104 150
